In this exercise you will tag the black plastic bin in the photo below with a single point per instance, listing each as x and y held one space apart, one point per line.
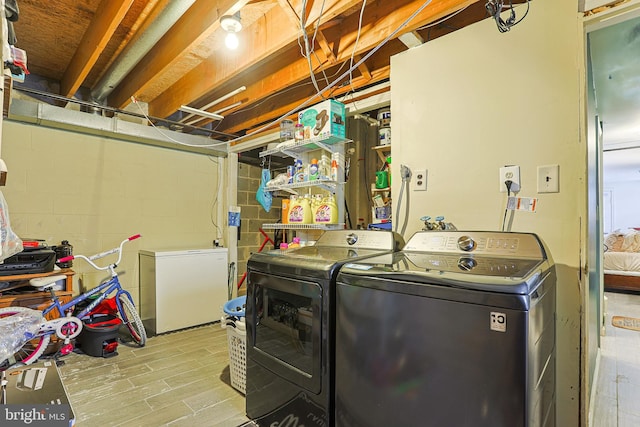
99 336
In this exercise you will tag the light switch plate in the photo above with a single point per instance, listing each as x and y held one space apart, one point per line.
549 179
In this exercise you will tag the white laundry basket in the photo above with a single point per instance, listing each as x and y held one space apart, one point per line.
233 322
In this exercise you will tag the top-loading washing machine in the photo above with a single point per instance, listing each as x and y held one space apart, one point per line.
290 317
457 329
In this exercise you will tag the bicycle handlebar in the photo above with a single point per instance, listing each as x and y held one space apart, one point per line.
102 254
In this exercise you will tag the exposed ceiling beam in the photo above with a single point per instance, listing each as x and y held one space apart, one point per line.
264 38
326 47
265 111
287 8
200 21
105 21
256 121
293 72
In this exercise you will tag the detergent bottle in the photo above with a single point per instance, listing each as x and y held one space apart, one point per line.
295 216
320 214
305 209
333 210
316 199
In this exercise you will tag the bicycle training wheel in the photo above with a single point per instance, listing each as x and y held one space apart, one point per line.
32 349
131 318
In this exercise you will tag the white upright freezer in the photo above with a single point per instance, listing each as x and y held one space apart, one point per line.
180 288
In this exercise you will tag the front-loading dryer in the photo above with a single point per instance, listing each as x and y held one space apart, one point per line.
290 318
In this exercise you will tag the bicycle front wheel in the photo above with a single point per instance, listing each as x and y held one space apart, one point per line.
131 318
32 349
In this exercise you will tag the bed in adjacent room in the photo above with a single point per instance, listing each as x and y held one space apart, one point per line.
622 260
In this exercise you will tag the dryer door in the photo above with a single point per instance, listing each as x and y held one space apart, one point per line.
285 333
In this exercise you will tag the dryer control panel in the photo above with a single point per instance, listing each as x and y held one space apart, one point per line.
488 243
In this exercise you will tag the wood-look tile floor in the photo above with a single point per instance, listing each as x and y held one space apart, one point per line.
182 379
618 383
177 379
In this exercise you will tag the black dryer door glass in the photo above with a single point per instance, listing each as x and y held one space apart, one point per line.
288 328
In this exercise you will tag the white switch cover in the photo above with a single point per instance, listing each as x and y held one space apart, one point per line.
420 180
549 179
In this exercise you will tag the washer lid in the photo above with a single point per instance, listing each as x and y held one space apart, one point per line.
308 261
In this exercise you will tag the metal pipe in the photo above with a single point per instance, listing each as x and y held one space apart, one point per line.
169 123
135 51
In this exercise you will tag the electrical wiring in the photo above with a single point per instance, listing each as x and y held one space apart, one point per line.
215 144
495 9
299 85
506 208
339 79
355 45
307 49
215 200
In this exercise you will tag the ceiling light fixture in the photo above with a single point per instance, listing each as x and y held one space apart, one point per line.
232 25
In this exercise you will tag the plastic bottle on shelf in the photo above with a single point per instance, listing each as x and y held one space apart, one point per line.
334 170
313 170
324 167
286 203
300 211
333 210
305 205
326 211
294 211
299 132
299 171
316 200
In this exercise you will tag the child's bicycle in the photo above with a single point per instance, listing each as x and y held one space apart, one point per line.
32 343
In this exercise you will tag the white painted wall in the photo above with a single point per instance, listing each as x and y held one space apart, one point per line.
468 103
625 197
95 192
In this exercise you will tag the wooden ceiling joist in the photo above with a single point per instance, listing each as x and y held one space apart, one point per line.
106 19
296 72
266 38
326 47
200 21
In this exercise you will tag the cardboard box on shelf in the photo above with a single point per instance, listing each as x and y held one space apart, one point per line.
325 120
381 214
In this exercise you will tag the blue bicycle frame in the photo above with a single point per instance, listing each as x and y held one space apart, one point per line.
107 287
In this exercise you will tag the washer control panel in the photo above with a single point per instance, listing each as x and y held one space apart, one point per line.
480 266
525 245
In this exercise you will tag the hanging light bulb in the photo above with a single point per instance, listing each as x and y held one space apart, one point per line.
231 41
231 24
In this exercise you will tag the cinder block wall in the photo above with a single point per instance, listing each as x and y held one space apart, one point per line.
96 191
253 216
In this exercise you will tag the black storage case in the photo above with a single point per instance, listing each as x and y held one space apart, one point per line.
99 336
29 262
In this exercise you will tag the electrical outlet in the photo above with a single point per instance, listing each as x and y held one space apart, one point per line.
420 180
548 179
510 173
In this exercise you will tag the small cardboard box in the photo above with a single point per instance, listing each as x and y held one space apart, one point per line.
325 120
